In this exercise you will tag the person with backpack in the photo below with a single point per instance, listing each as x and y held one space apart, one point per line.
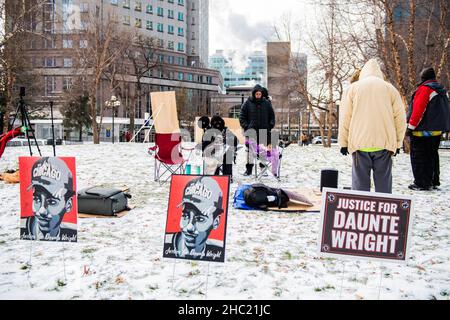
257 119
428 119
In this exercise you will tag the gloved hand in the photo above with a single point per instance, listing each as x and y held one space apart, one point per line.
344 151
409 132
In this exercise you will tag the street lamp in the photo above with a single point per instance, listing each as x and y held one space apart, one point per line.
113 103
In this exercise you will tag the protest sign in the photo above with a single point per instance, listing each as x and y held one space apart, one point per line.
197 218
365 225
48 199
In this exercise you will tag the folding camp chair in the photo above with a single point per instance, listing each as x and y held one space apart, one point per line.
168 154
267 160
6 137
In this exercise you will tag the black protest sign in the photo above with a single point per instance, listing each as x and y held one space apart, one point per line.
365 225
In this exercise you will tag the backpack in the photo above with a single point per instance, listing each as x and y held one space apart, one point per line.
239 200
262 197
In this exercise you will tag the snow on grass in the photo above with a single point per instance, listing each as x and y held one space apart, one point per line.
269 255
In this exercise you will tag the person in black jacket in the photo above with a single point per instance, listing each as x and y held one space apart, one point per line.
257 119
428 119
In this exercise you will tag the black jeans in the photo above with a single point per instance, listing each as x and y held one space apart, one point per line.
425 161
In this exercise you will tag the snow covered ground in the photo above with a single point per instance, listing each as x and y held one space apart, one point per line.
269 255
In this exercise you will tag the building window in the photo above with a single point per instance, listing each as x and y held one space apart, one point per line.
181 32
126 20
170 29
181 2
149 9
138 6
50 62
149 25
68 63
180 16
160 27
170 14
67 44
84 7
83 44
114 2
171 46
67 83
180 76
160 12
138 23
50 85
126 4
171 58
181 46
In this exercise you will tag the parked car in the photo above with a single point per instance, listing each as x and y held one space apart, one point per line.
318 140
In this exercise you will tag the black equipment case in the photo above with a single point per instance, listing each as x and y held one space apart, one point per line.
102 201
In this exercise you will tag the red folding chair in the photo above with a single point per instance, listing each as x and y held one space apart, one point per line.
168 154
6 137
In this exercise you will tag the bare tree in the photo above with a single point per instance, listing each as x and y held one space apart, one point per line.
141 59
18 29
105 43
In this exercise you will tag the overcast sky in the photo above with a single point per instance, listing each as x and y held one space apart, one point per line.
246 25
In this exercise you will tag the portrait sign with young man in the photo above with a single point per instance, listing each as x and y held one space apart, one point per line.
197 218
48 199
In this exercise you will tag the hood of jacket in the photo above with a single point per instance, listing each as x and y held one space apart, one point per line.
371 69
256 89
436 86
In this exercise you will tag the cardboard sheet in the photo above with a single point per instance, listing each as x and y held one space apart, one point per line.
95 216
313 195
232 124
164 110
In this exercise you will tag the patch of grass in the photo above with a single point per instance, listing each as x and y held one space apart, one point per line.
327 287
153 287
287 255
88 250
278 292
193 273
61 283
445 293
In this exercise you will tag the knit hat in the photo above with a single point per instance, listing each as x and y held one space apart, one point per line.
427 74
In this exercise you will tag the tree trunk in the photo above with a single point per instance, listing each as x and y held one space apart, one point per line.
94 125
80 137
132 115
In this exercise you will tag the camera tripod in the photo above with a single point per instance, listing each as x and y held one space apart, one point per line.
26 124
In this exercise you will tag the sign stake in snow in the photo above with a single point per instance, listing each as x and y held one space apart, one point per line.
207 278
364 225
342 280
381 280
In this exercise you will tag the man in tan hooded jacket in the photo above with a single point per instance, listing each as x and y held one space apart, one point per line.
373 128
